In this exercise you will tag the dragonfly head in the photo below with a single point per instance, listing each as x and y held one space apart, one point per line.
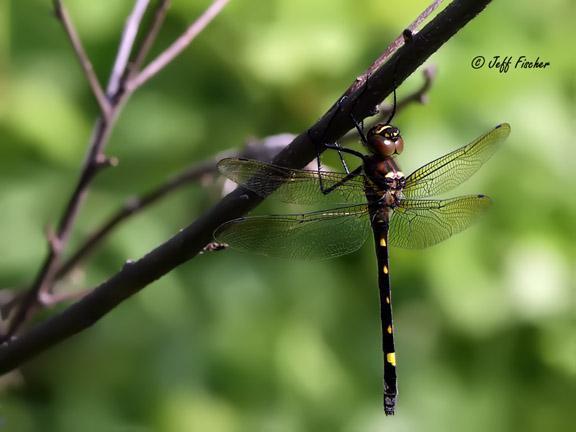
385 140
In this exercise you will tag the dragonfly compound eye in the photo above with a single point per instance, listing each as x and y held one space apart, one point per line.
385 140
399 145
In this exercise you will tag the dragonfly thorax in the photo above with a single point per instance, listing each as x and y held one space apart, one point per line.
392 194
385 181
384 140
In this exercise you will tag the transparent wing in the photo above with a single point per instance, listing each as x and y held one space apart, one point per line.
292 185
422 223
315 235
448 171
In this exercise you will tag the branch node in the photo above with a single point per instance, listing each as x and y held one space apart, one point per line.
128 263
408 35
132 203
430 73
103 161
44 298
54 242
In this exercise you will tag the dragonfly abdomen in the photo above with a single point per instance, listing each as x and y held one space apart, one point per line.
380 229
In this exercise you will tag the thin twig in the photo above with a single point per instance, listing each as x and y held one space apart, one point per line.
135 205
94 162
177 46
150 38
419 96
59 238
262 149
189 242
62 15
125 48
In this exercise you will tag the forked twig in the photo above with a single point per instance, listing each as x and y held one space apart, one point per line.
125 47
177 46
95 160
150 38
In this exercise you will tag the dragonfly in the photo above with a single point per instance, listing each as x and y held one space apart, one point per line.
375 197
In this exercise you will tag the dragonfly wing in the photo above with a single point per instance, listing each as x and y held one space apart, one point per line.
292 185
314 235
448 171
422 223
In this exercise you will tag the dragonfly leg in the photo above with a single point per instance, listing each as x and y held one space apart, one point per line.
345 150
339 149
335 145
360 130
350 176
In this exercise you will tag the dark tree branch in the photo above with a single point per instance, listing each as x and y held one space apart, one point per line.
189 242
95 159
177 46
51 299
393 47
262 149
64 18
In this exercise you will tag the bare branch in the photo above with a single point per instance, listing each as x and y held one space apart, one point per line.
177 46
95 159
150 38
189 242
44 277
262 149
64 18
94 162
125 48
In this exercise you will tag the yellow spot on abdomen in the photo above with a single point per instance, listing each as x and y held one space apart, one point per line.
391 358
383 242
385 269
389 329
388 300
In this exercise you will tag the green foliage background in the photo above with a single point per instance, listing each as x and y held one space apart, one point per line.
486 335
